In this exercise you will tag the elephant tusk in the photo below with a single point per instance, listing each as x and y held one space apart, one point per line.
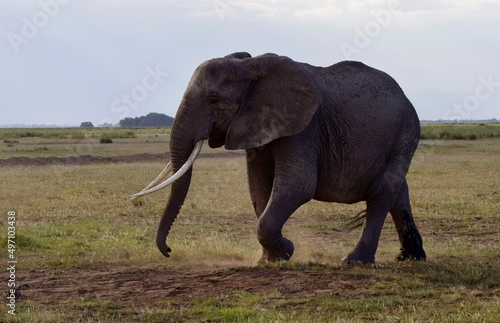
167 170
187 165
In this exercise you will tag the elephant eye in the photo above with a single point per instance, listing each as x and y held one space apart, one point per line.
214 100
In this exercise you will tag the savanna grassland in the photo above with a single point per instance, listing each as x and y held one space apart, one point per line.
87 254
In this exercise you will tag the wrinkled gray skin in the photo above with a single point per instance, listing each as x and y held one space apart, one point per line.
344 133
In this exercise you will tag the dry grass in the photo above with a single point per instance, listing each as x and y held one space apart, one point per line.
78 217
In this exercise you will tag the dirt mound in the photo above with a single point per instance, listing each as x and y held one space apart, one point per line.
80 160
141 287
88 159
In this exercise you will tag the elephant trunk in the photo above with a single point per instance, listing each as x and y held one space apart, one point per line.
175 201
183 152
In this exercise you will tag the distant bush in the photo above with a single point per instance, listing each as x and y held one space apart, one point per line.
106 140
29 134
86 124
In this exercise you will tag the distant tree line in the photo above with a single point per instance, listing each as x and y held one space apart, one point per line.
486 121
150 120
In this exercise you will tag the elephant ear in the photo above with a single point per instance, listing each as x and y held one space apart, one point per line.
281 101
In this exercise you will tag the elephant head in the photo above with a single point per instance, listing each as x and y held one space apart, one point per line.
239 102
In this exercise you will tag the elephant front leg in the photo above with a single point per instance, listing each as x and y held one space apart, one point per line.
293 183
275 246
260 169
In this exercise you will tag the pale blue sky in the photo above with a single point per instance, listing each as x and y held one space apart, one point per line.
67 61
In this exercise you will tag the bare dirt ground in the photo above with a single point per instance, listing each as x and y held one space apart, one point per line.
145 288
88 159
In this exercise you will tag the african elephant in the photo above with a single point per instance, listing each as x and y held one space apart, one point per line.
344 133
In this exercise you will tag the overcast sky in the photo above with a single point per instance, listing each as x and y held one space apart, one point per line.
67 61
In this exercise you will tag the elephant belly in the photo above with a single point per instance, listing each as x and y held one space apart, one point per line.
339 187
347 197
338 194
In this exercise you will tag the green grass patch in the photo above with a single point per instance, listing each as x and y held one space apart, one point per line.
460 131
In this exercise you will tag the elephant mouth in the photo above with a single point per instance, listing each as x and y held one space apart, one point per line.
217 139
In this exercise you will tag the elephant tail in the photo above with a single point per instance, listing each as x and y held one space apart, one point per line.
355 221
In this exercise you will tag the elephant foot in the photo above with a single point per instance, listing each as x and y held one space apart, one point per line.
411 247
415 254
281 250
356 261
358 257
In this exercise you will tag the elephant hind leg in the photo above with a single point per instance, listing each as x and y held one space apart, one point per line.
364 252
409 237
378 205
